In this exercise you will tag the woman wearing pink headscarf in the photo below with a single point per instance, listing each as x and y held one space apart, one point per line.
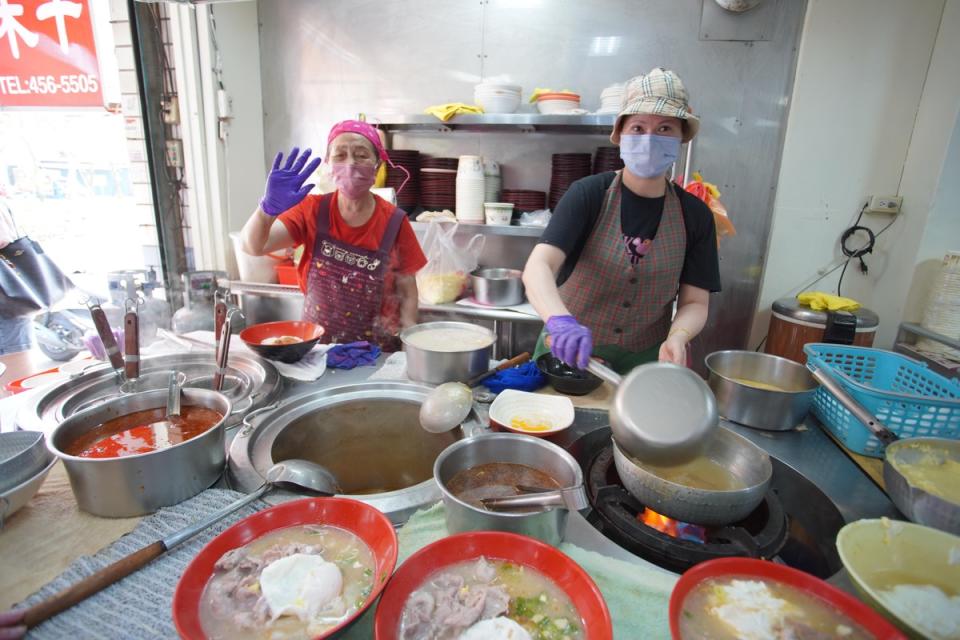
360 252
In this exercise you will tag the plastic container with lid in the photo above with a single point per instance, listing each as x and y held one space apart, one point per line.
793 325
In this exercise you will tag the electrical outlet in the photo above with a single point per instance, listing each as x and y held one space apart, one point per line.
174 153
889 205
170 111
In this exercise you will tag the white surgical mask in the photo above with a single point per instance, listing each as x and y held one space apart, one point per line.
649 155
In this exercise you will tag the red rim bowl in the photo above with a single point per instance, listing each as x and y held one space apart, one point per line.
309 332
851 607
496 545
358 518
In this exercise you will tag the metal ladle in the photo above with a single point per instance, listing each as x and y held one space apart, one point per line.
298 473
448 405
662 413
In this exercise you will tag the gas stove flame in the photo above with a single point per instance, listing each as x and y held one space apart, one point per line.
673 528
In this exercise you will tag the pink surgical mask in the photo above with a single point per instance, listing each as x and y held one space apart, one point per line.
352 179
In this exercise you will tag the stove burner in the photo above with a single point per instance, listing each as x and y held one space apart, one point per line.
760 535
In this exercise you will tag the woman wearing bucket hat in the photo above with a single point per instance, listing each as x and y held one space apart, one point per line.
360 252
622 246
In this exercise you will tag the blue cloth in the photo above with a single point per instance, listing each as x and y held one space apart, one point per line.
524 377
353 354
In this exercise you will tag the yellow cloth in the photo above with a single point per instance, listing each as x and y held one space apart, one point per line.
820 301
381 179
447 111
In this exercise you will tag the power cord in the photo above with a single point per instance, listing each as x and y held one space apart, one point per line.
858 254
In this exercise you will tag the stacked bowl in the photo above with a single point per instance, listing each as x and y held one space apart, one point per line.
438 182
24 464
607 159
558 102
491 181
524 199
409 195
566 169
496 97
469 181
610 99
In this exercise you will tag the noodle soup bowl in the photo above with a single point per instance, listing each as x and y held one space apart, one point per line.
551 563
361 520
134 485
547 524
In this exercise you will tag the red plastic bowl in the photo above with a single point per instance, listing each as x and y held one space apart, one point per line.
309 332
359 518
856 610
556 566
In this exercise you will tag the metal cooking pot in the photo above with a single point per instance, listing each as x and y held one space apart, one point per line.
765 409
547 525
437 367
742 458
913 501
498 287
141 484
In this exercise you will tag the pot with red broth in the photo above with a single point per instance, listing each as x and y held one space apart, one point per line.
297 582
750 608
143 432
125 459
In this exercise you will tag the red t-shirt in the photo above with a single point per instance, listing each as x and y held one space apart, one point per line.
406 257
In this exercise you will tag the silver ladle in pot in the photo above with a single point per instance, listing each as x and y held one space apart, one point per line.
298 473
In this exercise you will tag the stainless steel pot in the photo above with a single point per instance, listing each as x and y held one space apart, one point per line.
547 525
745 460
437 367
921 506
141 484
766 409
498 287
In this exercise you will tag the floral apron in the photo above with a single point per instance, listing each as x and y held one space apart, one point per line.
345 284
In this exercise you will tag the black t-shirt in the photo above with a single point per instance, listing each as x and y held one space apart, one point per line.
579 209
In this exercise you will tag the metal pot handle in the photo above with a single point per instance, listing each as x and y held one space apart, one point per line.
870 421
247 425
604 372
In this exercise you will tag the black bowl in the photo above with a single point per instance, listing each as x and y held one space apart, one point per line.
567 380
308 332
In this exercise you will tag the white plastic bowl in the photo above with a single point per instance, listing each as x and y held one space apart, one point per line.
535 408
507 103
557 106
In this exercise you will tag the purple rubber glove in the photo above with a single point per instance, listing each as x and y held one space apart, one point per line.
285 188
570 341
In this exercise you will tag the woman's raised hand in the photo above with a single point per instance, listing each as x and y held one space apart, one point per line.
285 188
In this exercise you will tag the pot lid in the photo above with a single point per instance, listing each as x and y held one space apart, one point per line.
791 308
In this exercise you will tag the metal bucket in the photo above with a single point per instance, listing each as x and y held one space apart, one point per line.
140 484
768 409
437 367
548 525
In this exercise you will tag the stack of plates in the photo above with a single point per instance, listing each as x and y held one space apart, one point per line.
611 99
942 313
607 159
438 182
409 196
524 199
470 191
567 168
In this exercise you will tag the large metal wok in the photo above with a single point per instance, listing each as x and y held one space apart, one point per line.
747 462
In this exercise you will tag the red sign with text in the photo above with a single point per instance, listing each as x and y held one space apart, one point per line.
48 57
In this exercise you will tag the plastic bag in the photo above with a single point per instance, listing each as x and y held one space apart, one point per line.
538 218
444 278
709 193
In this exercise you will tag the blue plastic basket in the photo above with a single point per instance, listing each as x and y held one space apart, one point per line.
907 397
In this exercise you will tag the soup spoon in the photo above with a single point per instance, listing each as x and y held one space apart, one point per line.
301 474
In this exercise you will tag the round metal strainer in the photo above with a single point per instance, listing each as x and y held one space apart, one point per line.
22 455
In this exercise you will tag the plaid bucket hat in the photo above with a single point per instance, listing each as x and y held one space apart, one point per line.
660 92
